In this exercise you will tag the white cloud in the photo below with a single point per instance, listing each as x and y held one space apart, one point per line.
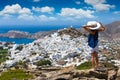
15 9
99 5
94 2
11 9
45 18
45 9
36 0
26 17
117 12
77 2
25 11
7 16
103 7
76 13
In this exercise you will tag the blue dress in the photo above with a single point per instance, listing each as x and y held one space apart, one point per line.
93 39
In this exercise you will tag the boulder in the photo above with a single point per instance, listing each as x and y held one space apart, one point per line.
63 77
41 78
118 75
112 74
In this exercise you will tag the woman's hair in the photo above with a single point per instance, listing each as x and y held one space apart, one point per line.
93 30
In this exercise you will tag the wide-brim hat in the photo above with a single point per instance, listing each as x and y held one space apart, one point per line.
95 23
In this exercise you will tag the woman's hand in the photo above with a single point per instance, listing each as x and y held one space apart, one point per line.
102 28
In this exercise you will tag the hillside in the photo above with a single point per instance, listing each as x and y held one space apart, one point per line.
63 51
67 45
15 34
22 34
112 31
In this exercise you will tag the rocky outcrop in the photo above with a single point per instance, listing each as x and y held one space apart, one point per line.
118 75
78 75
74 33
71 73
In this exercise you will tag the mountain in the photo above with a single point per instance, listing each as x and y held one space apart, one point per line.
15 34
22 34
41 34
112 31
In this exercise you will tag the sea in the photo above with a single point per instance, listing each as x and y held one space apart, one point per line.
30 29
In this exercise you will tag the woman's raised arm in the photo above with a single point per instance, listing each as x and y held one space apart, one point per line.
102 28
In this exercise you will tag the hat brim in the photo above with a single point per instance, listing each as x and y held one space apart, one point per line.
97 27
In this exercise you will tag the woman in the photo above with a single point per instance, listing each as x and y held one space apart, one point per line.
94 28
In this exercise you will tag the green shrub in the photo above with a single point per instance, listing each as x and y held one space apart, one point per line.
86 65
46 56
23 64
19 48
15 74
43 62
108 65
3 55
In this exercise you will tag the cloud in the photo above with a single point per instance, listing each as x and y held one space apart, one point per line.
76 13
16 11
25 11
103 7
99 5
45 18
77 2
36 0
116 12
45 9
26 17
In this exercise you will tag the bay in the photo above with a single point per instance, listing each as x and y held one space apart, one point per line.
16 40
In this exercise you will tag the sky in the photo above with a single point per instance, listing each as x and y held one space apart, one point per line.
57 12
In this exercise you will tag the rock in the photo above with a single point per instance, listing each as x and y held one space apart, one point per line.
118 75
90 75
70 31
100 75
76 79
63 77
41 78
37 74
86 78
112 74
43 75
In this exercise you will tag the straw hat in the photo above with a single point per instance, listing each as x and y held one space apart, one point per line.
95 23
